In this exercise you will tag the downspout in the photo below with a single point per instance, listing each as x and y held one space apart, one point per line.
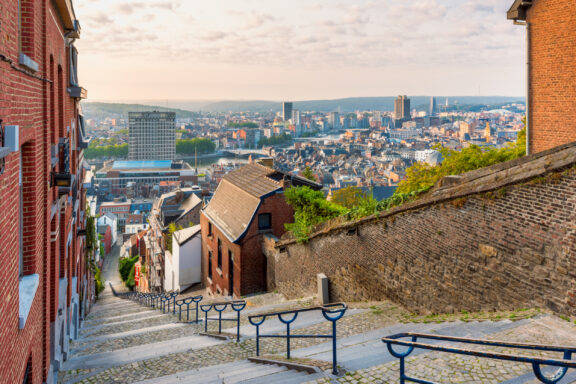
528 82
528 87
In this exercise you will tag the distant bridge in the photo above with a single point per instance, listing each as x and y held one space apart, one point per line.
245 152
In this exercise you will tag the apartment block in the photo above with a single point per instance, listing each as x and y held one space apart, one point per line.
152 135
46 284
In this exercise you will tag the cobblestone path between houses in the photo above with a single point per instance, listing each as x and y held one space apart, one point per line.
124 342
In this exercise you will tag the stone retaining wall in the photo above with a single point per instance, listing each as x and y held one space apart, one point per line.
496 239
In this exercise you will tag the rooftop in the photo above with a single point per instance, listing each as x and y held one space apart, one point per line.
141 164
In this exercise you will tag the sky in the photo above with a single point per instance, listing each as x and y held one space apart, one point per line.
297 49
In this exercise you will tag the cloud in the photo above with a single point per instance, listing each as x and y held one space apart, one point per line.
129 8
257 20
214 36
132 7
100 18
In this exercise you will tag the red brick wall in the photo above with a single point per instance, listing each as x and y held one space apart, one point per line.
39 105
553 85
249 261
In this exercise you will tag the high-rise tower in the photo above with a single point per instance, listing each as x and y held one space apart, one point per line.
287 110
402 108
152 135
433 106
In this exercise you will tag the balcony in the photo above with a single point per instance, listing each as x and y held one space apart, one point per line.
77 92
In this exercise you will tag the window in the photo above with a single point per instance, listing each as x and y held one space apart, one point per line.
220 254
26 34
28 373
264 221
210 265
209 229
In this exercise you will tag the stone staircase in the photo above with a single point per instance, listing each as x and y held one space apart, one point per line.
243 371
124 342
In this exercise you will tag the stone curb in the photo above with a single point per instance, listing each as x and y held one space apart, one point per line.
295 366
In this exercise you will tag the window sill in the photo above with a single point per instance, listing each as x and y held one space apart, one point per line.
209 280
219 271
28 287
27 62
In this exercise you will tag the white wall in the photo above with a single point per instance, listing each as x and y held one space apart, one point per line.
169 271
185 266
190 260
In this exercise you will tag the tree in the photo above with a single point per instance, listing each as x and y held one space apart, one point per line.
310 209
249 125
309 174
192 146
422 176
275 140
168 235
348 197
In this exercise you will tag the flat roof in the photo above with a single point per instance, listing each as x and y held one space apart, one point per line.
141 164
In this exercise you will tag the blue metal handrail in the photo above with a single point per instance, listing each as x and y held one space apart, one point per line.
235 305
187 301
536 362
331 312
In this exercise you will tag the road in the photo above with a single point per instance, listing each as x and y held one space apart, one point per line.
110 267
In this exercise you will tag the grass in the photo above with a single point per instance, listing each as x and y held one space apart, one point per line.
524 313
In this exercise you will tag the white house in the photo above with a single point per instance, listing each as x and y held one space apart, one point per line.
183 266
110 219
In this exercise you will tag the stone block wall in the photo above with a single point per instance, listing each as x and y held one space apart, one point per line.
502 238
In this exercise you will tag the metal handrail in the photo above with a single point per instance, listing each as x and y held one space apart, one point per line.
236 305
537 362
187 301
331 312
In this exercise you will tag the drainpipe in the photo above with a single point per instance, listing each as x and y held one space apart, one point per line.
528 83
528 86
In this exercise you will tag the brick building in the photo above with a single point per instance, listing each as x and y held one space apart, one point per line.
248 204
44 281
551 51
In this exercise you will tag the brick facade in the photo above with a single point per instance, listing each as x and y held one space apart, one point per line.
553 73
503 238
37 100
249 261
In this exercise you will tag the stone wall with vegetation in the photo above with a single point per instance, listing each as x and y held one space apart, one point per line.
499 238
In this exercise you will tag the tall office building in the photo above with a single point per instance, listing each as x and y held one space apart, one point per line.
152 135
287 110
296 117
433 106
402 108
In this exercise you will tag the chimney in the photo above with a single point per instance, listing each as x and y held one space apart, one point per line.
266 161
286 182
179 196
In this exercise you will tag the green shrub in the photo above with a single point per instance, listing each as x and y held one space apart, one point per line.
310 209
99 281
125 266
422 175
130 283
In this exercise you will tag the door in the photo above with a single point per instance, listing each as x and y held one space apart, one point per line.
231 273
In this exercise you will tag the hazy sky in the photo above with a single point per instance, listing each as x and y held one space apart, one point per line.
298 49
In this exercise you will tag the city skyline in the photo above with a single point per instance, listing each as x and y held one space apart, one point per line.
298 51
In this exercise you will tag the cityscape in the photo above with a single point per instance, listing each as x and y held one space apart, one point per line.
333 236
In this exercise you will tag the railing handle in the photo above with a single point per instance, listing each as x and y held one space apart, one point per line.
399 355
295 315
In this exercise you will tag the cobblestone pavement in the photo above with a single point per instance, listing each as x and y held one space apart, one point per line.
449 368
117 324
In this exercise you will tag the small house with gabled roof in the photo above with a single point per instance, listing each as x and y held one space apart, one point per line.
248 204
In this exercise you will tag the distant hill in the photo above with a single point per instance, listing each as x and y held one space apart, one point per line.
343 105
121 110
353 104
